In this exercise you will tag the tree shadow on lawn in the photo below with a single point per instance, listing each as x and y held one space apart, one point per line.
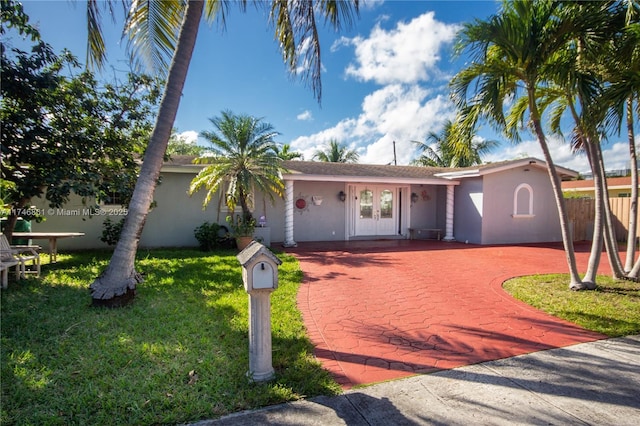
133 364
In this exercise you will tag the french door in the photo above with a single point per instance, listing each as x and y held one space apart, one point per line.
376 210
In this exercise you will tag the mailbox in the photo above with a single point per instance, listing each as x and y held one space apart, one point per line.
259 267
260 277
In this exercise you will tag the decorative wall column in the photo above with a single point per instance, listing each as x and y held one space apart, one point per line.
449 214
288 214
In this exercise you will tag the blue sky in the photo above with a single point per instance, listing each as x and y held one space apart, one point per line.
384 80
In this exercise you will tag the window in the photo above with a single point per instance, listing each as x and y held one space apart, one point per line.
223 207
366 204
115 198
523 201
386 204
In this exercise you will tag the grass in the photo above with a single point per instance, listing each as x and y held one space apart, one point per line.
178 354
612 309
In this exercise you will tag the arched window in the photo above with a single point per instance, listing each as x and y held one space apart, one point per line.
523 201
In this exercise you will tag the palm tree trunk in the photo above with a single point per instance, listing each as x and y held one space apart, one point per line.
635 271
116 286
12 218
610 241
633 208
590 276
575 281
596 244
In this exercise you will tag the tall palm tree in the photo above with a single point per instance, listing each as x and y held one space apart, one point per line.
160 30
243 160
455 146
622 97
284 152
577 82
510 51
335 152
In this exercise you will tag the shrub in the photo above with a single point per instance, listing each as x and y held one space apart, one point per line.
111 231
211 236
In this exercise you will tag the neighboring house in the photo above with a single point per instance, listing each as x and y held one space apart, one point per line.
500 203
617 187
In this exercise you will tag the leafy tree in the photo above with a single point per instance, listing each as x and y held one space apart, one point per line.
13 16
64 135
334 152
168 30
284 152
454 147
510 53
243 160
179 146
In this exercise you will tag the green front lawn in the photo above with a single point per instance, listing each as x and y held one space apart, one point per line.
613 308
179 353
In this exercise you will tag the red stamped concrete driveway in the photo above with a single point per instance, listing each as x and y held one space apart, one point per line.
381 310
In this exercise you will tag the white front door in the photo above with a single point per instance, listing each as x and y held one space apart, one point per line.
376 210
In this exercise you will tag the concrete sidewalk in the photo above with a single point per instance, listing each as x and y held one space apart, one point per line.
595 383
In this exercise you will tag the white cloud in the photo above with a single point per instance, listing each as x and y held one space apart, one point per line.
371 4
399 113
402 110
189 136
407 54
305 116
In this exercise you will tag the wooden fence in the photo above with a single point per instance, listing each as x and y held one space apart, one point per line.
581 213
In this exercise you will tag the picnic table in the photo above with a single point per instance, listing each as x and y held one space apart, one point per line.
52 237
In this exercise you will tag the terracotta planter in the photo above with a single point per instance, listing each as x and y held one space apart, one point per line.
243 241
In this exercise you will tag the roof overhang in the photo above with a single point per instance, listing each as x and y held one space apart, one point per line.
497 168
183 168
368 179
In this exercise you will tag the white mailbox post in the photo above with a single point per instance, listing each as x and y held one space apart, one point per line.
260 277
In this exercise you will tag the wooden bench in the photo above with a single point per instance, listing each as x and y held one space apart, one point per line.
424 233
5 264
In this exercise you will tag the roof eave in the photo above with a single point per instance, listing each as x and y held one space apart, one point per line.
369 179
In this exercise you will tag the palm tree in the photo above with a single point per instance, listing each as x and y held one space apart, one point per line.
621 96
455 146
335 152
284 152
577 82
243 160
441 155
510 51
160 30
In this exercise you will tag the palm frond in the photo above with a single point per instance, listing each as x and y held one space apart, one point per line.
96 50
296 32
153 28
244 158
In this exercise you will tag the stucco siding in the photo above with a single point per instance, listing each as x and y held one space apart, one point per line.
73 217
468 211
170 224
173 221
424 211
501 226
324 222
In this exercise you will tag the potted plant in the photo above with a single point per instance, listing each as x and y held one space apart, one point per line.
242 227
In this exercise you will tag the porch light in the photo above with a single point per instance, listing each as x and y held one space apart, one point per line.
342 196
414 197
